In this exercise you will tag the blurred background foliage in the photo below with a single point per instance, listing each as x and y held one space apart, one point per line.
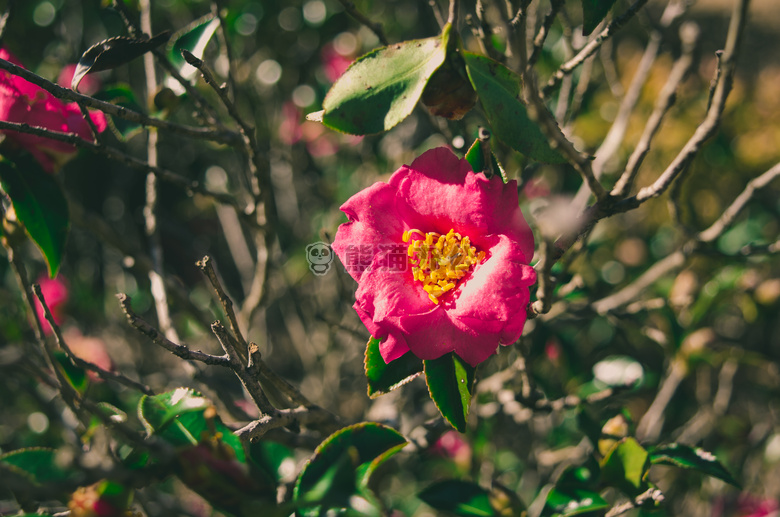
716 317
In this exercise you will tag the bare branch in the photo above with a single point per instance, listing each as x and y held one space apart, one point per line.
157 338
226 137
663 104
81 363
711 122
592 47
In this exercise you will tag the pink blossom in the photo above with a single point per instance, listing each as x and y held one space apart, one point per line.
452 445
55 292
439 193
24 102
89 85
333 62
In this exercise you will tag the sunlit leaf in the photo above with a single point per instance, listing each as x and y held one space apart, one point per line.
194 38
625 466
40 206
383 377
499 92
694 458
451 384
382 88
563 502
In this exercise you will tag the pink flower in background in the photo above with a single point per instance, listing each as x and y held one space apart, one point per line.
333 62
746 505
90 349
440 255
89 85
55 292
24 102
451 445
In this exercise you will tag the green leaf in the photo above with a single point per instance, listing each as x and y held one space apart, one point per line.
158 411
77 376
482 159
194 38
342 464
382 88
593 11
178 417
562 502
272 457
40 206
38 464
451 383
625 466
459 497
113 52
499 92
122 95
693 458
383 377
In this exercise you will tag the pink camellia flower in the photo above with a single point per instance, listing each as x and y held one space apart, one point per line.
440 255
24 102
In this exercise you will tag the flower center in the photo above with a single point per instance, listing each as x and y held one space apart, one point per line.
439 261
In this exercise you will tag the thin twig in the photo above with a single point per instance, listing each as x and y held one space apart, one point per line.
157 338
663 104
207 267
712 120
225 137
189 186
285 417
591 47
156 274
650 496
730 214
376 28
239 367
544 31
81 363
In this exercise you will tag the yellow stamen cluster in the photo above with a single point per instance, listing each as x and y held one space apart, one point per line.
439 261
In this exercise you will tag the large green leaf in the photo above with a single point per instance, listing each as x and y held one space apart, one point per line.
383 377
40 206
38 464
194 39
451 383
459 497
566 502
625 466
342 465
382 88
593 11
499 92
693 458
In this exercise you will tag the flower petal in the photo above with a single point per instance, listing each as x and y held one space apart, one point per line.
443 190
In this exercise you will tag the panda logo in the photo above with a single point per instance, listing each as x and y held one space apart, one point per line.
319 256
